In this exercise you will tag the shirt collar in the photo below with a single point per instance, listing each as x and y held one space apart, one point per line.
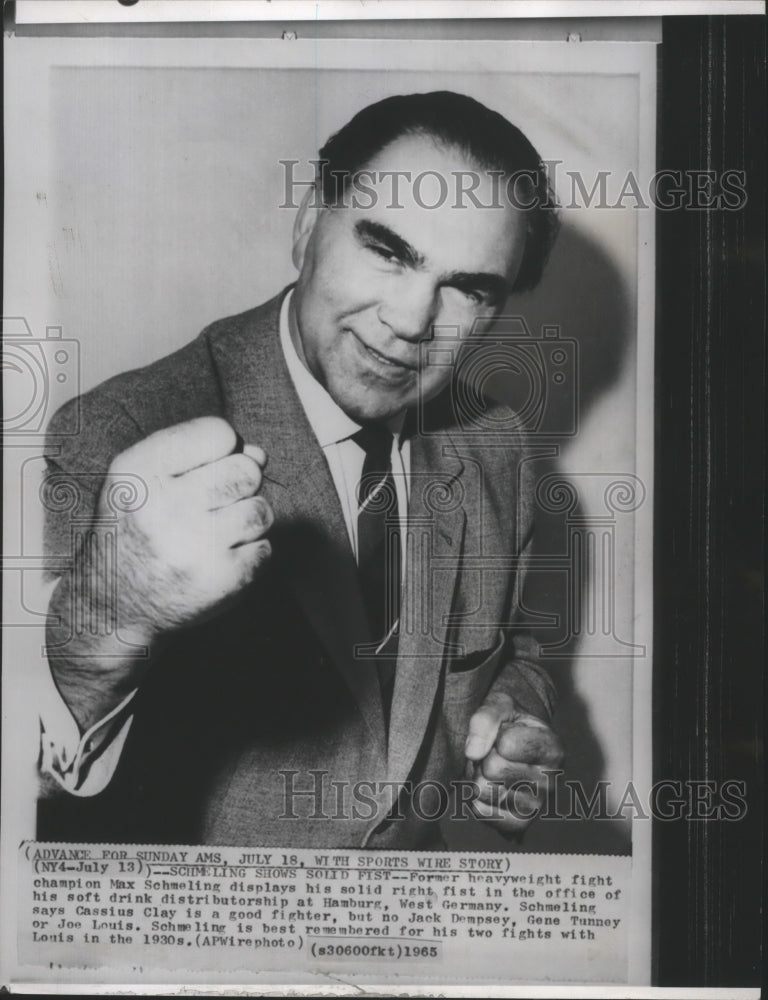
326 418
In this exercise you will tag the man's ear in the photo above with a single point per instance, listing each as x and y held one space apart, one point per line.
306 219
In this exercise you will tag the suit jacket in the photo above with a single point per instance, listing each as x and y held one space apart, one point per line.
264 726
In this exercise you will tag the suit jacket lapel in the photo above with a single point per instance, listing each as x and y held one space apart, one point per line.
436 521
312 552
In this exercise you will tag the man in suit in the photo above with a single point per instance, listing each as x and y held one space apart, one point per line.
305 632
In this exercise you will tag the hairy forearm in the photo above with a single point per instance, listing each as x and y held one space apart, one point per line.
96 659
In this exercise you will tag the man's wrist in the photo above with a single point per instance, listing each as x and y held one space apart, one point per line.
94 672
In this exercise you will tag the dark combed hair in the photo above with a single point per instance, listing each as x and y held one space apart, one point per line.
485 137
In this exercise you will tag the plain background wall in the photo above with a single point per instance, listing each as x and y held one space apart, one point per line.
162 216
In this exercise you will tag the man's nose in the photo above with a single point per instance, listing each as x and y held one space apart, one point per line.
411 308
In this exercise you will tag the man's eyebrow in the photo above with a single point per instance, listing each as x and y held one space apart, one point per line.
495 286
389 238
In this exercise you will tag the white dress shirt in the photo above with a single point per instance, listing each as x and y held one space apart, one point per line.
69 757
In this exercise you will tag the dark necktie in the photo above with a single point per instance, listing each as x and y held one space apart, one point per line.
379 549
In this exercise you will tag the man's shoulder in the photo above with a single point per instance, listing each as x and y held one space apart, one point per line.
180 386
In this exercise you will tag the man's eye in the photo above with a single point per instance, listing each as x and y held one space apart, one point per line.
384 253
473 295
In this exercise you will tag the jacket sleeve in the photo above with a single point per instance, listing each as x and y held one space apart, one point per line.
522 674
83 437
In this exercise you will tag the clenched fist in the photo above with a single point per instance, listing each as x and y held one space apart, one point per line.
509 753
190 549
199 538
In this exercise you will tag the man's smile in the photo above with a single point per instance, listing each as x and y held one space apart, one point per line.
395 368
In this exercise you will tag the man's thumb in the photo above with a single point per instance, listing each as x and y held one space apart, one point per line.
483 727
485 724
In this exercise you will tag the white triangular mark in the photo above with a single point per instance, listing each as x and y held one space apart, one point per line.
388 636
371 495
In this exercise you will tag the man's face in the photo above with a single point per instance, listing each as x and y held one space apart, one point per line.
374 281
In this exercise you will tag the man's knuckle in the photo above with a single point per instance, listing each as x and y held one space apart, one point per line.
511 743
265 549
493 767
257 516
265 512
230 489
554 757
244 467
